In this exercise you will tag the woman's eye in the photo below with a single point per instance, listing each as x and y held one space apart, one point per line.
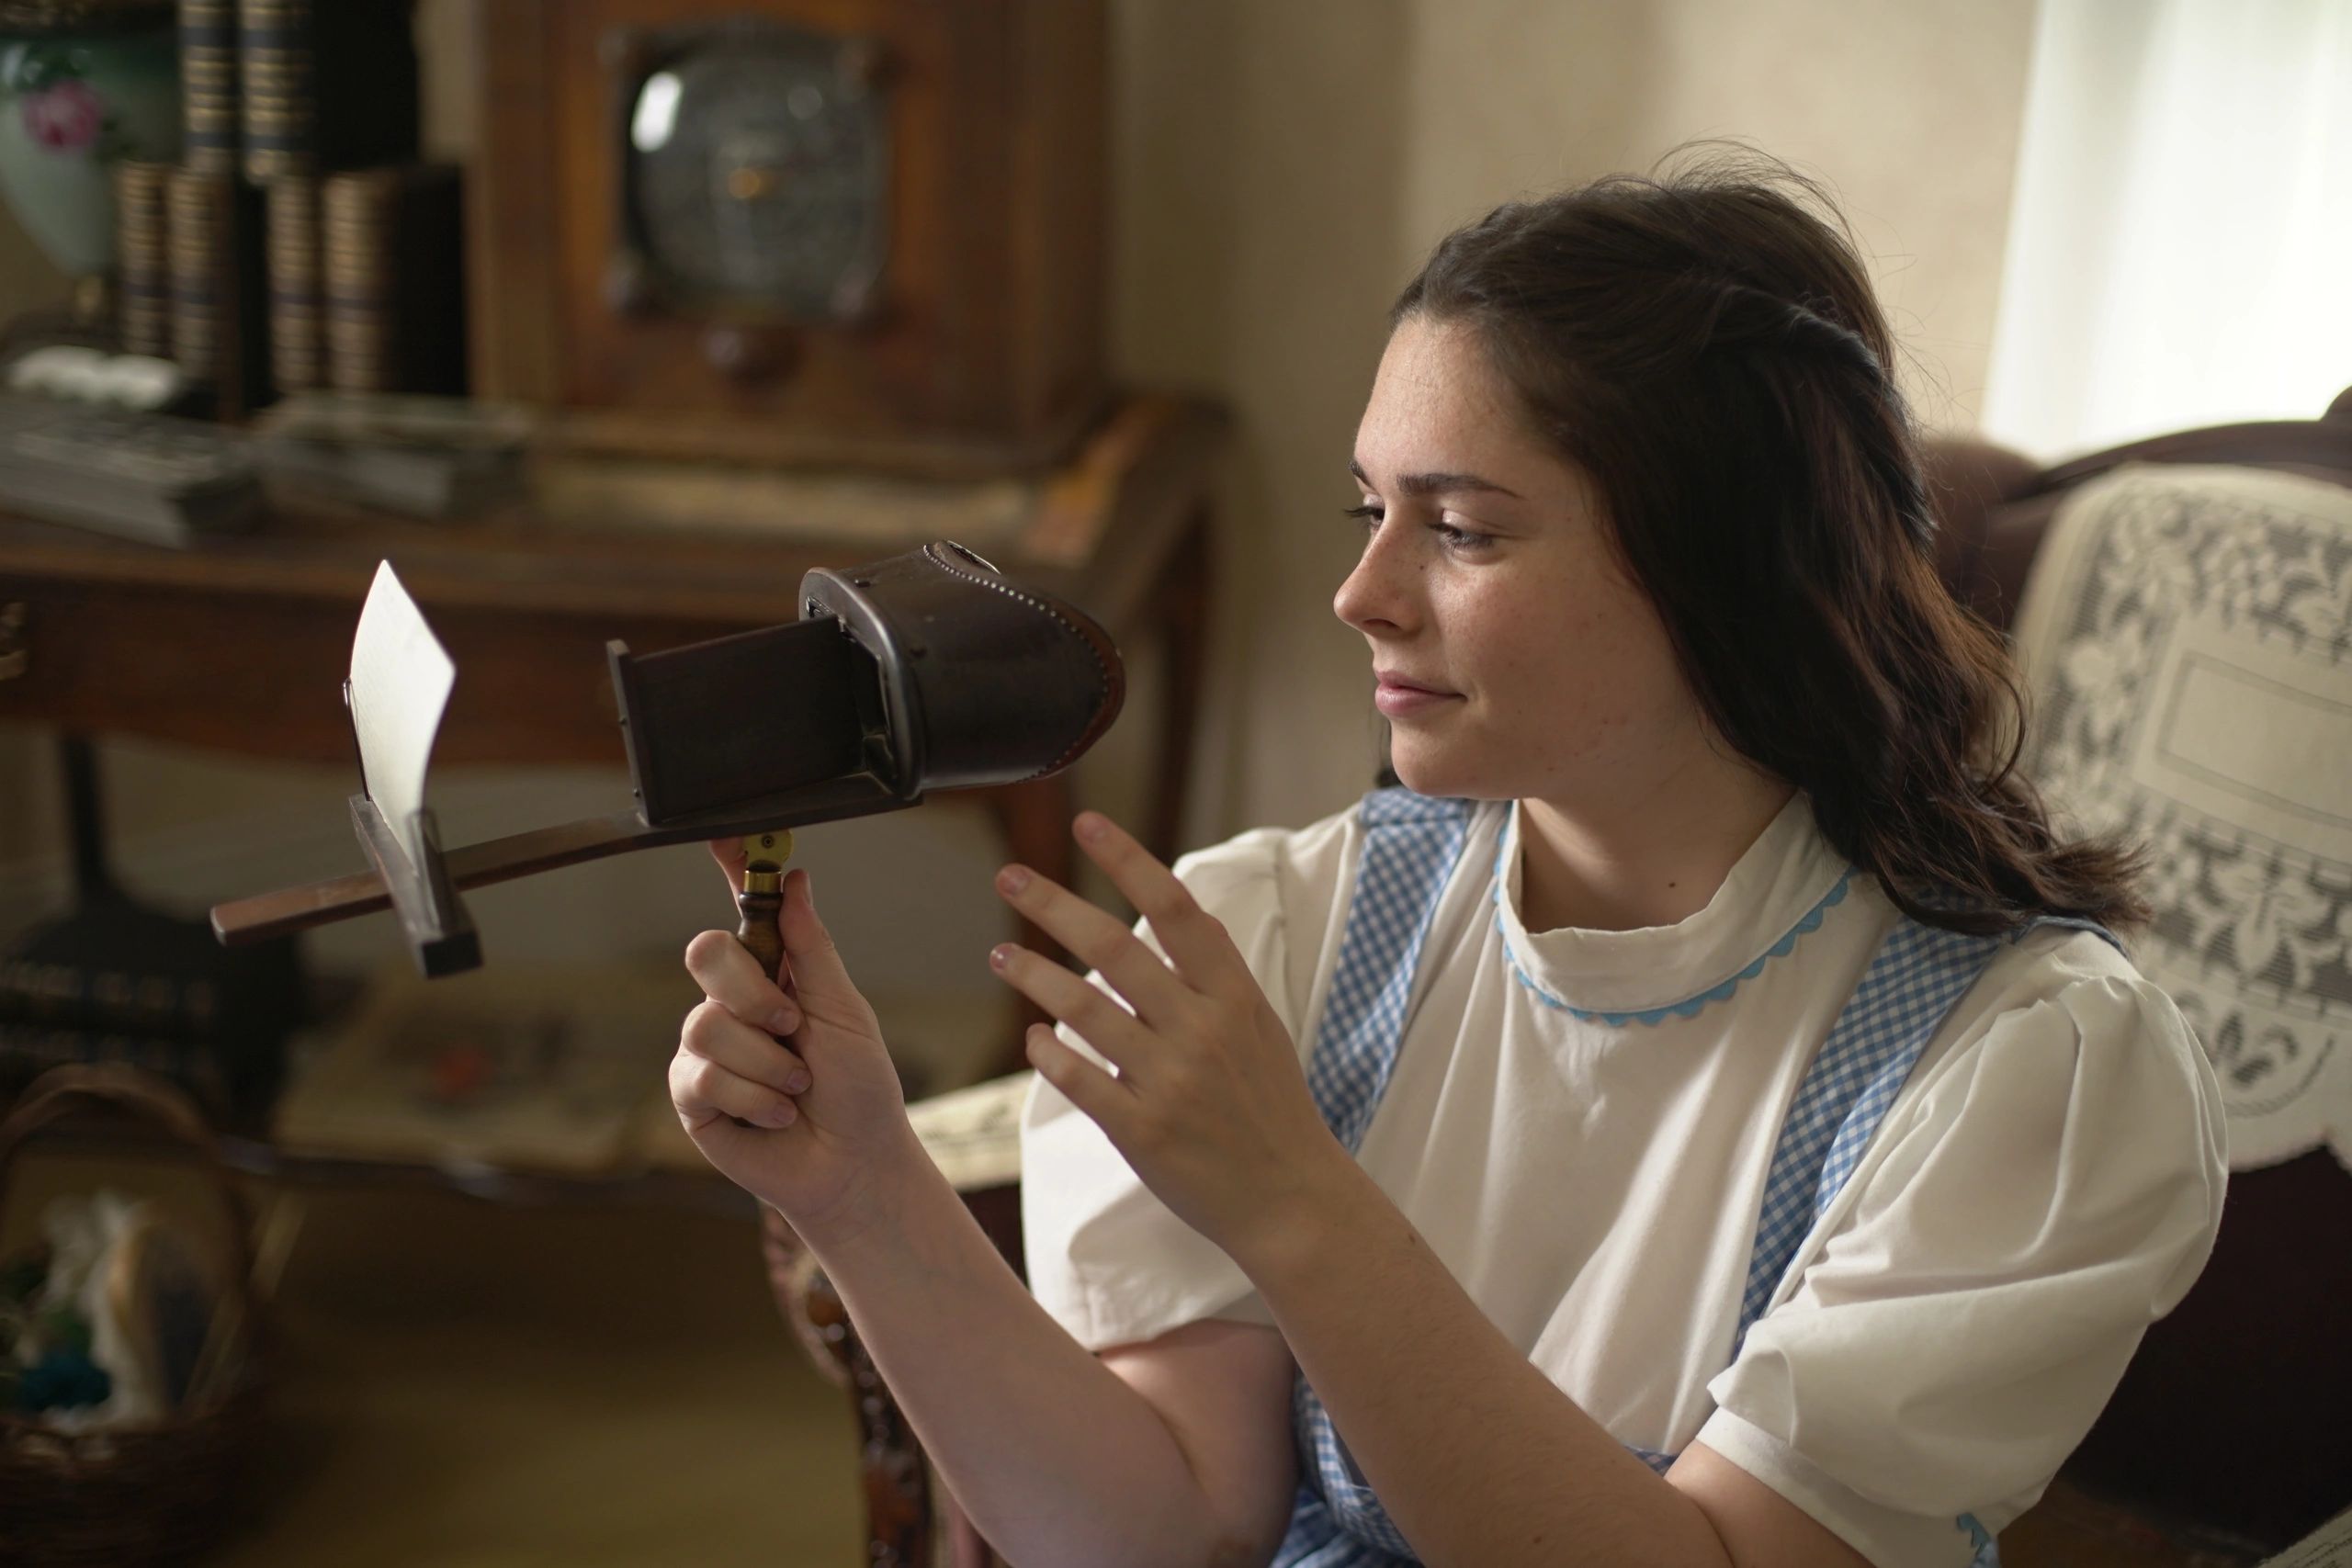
1459 538
1367 514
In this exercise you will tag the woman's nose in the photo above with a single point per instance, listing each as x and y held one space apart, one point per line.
1378 592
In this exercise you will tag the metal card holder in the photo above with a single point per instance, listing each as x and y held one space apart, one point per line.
441 935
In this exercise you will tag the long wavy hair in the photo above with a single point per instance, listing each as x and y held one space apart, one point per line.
1705 344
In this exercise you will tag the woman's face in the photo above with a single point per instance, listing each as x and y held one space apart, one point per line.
1514 658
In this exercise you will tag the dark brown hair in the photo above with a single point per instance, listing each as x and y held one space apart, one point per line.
1708 349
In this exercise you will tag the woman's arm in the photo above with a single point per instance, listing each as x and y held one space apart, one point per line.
1174 1451
1056 1458
1477 1457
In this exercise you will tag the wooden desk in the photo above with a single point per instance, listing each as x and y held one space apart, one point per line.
242 643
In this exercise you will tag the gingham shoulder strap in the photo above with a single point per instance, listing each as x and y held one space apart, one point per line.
1916 976
1411 844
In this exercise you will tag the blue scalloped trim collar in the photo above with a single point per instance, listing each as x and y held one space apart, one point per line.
1689 1007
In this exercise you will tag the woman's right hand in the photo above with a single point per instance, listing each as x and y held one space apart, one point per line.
822 1154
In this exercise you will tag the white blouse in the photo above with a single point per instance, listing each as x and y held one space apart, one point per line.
1579 1124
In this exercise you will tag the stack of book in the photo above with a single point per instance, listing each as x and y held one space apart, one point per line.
309 249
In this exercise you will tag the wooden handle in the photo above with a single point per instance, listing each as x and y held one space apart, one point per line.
757 927
764 855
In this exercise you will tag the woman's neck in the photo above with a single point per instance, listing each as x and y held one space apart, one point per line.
1651 852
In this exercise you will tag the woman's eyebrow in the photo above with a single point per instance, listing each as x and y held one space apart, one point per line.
1436 484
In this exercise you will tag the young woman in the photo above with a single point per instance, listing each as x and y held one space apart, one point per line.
1699 1118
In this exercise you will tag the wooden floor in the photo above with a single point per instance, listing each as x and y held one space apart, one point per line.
467 1386
477 1387
463 1386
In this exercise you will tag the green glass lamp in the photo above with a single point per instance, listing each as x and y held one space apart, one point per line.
84 85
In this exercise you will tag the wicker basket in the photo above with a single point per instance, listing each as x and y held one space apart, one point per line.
139 1495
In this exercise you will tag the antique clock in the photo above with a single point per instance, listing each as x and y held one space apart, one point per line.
847 233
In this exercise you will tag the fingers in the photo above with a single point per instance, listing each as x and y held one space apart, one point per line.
730 976
724 1066
1084 1085
1196 942
1100 941
1085 1007
817 973
730 855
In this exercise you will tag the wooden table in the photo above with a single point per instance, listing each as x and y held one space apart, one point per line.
241 642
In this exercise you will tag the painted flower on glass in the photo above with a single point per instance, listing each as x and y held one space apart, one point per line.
65 117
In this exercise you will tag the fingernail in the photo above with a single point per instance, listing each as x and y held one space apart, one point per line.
1089 827
1012 878
784 1021
779 1116
797 1081
999 956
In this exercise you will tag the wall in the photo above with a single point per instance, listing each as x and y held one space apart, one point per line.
1367 131
1281 165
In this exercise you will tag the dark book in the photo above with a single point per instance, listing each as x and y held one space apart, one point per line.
394 279
143 287
326 85
297 304
219 289
210 119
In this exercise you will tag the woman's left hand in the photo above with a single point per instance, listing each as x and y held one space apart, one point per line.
1209 1106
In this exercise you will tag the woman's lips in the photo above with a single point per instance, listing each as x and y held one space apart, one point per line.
1396 698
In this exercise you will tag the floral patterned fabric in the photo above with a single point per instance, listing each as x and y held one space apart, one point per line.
2187 642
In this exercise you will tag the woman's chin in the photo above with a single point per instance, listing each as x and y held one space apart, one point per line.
1431 776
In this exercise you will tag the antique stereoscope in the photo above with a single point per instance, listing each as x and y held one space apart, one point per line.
928 670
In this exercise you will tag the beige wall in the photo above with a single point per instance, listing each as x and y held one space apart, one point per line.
1281 165
1338 140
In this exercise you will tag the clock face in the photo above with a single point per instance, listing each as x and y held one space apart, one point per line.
757 167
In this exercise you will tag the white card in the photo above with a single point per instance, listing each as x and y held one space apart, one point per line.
401 677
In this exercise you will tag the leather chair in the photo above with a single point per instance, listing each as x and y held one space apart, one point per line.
2224 1442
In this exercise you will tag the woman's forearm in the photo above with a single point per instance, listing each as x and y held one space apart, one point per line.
1055 1459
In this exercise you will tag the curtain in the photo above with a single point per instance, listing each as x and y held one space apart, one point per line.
2180 242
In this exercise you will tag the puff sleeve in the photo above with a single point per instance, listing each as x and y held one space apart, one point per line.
2052 1188
1107 1258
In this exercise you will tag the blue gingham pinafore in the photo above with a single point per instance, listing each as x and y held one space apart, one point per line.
1411 844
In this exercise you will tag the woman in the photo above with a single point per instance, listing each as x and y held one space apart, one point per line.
1699 1118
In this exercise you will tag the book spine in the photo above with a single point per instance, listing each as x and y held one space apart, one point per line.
297 315
327 84
278 61
211 115
218 308
145 285
195 218
359 229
